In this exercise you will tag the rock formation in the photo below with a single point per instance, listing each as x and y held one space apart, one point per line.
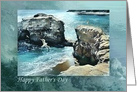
92 45
62 66
91 12
43 26
101 69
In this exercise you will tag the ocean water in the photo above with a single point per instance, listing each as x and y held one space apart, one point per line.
36 61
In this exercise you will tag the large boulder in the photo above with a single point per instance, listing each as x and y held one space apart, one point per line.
41 26
92 45
101 69
61 66
45 27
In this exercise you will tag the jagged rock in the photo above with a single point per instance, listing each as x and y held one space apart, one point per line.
101 69
104 58
92 43
104 45
102 52
88 33
104 38
43 26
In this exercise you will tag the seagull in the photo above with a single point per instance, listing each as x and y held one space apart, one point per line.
45 44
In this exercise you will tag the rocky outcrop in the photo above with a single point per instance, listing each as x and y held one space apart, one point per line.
91 12
101 69
92 45
65 69
43 26
105 11
62 66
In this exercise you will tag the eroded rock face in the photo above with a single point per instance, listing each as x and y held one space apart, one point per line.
43 26
92 45
103 49
84 52
88 33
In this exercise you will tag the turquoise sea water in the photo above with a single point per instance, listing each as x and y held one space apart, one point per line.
32 61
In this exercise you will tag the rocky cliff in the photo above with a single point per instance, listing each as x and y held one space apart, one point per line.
42 26
92 46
